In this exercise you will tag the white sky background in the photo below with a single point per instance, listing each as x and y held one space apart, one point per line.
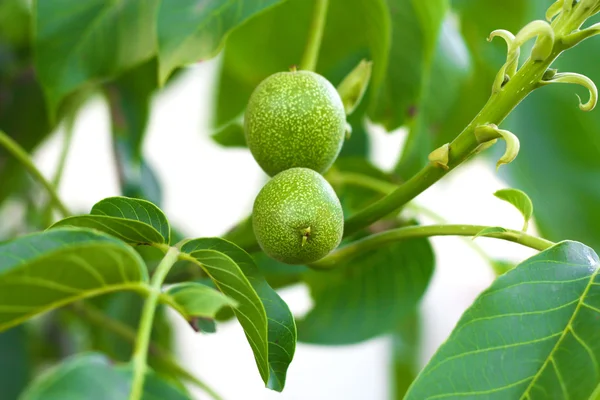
207 189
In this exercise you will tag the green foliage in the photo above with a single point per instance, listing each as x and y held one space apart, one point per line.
229 278
537 324
191 32
194 300
391 281
15 363
47 270
131 220
76 45
520 200
355 84
266 318
94 377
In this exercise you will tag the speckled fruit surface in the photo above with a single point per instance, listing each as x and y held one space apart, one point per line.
297 217
295 119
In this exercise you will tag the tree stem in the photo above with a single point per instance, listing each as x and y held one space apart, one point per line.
497 108
311 52
381 239
383 187
140 354
21 155
495 111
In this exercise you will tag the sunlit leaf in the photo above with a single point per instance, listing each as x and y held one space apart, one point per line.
229 279
193 299
281 325
134 221
532 333
46 270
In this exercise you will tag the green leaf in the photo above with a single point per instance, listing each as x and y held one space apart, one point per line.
415 27
488 231
281 325
15 22
15 362
390 281
532 334
47 270
80 43
274 41
193 300
94 377
134 221
231 135
520 200
194 31
229 278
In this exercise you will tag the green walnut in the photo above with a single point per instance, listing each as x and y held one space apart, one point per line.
297 217
295 119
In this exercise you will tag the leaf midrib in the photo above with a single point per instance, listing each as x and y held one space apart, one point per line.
138 287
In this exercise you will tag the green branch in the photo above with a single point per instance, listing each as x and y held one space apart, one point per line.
383 187
503 100
21 155
311 52
140 354
102 321
394 235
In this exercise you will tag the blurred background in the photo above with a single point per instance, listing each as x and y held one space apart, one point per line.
181 146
